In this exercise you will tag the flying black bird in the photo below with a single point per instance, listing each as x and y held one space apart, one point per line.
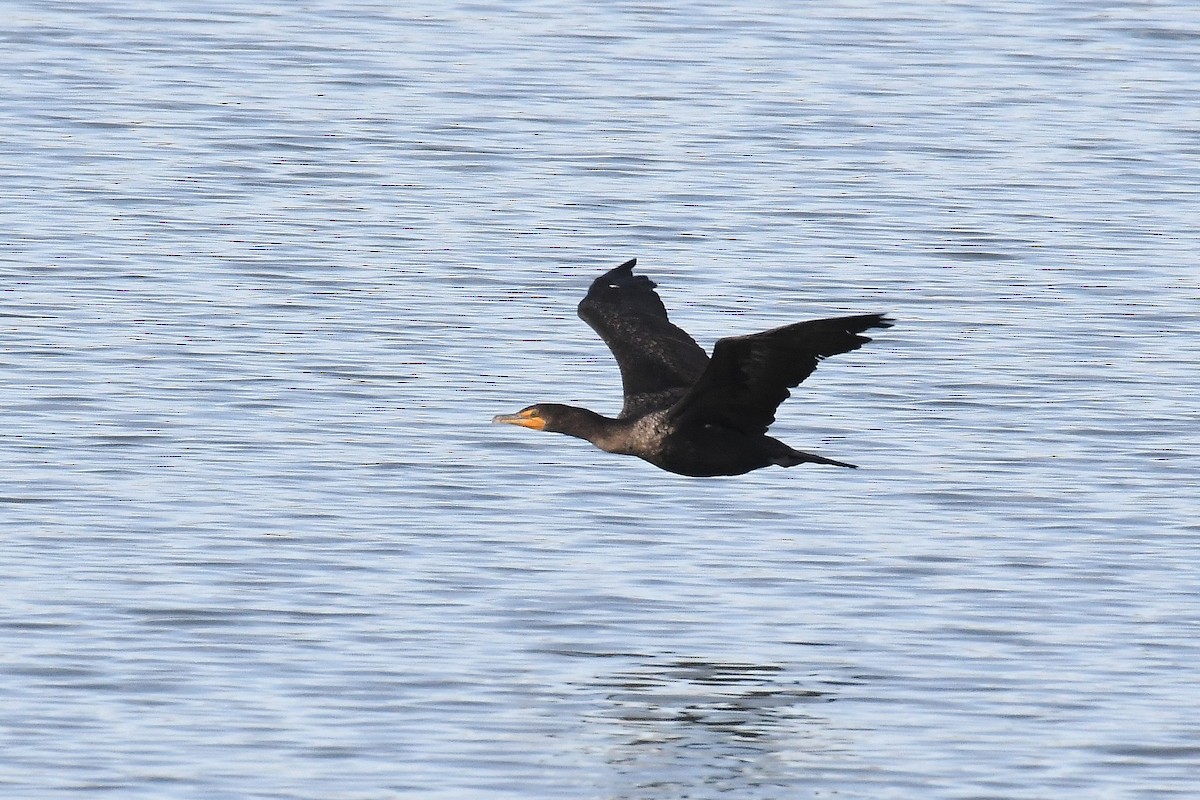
685 412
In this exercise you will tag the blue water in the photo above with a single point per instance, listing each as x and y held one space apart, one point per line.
269 270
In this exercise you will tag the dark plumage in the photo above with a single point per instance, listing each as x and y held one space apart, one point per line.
684 412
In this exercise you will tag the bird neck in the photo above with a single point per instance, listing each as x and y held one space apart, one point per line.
586 424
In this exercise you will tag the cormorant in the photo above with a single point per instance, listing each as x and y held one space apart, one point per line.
684 412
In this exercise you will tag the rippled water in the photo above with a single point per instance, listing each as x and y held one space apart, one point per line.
269 270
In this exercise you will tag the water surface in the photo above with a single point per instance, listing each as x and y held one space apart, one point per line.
268 272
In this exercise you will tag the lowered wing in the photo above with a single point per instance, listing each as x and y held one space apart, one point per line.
749 376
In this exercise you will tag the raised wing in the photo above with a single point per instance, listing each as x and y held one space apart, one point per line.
657 359
749 376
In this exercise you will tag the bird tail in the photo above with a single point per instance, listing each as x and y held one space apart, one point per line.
793 457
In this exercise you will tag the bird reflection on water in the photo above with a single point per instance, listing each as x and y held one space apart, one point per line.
724 726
